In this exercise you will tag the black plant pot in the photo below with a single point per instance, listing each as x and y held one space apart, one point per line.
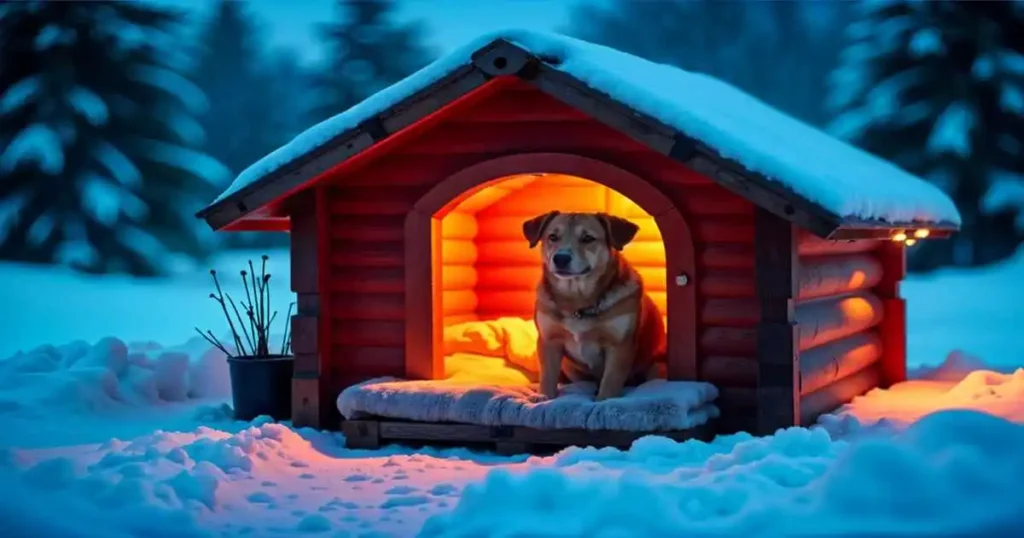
262 386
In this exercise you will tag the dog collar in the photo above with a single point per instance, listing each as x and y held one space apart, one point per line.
589 312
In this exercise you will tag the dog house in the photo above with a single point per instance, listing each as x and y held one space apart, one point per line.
774 251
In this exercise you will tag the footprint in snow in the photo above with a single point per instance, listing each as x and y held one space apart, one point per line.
359 477
400 490
406 500
314 523
443 489
260 497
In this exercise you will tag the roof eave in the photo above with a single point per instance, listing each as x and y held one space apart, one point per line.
853 229
503 58
301 171
760 190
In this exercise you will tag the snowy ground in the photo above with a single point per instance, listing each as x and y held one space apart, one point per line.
133 440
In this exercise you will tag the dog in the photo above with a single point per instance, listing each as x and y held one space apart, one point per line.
591 307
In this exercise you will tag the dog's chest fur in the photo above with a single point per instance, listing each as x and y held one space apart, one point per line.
588 334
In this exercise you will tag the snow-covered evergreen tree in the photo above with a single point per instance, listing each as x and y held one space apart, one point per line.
98 166
367 51
287 87
938 88
780 52
252 92
227 71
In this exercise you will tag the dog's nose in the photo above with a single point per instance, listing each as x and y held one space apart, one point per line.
562 260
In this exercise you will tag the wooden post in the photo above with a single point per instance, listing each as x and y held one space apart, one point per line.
894 324
311 403
361 434
424 319
778 351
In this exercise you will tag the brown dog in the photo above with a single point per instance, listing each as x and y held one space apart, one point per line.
591 307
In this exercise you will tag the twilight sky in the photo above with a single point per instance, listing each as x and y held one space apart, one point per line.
290 23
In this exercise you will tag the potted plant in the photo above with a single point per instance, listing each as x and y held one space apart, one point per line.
261 381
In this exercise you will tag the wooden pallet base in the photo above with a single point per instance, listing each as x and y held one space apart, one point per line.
506 440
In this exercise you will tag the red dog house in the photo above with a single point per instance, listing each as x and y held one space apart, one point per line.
774 251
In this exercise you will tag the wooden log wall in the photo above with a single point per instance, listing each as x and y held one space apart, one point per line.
838 313
840 355
458 262
366 259
312 377
508 270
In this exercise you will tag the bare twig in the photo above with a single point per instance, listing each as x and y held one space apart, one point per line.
254 305
220 299
263 310
255 336
259 317
213 341
268 317
248 307
240 324
287 325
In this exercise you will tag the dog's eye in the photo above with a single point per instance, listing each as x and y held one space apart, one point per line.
552 237
587 239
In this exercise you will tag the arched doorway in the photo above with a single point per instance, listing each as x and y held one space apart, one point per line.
424 327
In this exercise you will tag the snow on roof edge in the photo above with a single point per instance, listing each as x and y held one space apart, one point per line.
319 134
839 177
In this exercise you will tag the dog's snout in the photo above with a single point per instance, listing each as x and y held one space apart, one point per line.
562 260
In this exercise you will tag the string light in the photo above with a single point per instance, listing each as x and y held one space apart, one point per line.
910 242
899 236
921 234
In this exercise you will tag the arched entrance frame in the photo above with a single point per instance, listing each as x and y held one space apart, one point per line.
423 324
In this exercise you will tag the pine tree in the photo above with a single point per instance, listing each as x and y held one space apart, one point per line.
98 167
227 72
367 52
780 52
287 84
938 89
253 108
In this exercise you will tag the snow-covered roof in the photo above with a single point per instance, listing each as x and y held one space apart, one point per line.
843 180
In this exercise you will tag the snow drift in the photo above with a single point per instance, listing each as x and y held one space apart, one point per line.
159 485
952 473
79 377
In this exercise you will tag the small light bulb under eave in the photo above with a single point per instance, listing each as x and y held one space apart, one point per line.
899 236
921 234
910 242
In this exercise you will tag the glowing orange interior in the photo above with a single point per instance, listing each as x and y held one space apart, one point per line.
489 271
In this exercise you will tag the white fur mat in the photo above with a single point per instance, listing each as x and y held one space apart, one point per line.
491 380
657 405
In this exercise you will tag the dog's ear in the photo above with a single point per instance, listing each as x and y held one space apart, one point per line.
533 229
619 230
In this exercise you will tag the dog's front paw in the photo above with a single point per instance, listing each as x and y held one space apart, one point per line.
548 394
